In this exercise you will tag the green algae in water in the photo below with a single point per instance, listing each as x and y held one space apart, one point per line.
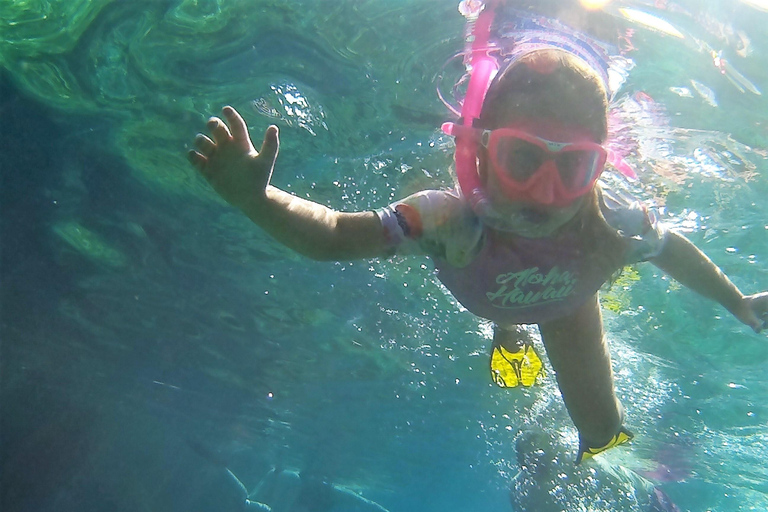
89 244
34 27
618 297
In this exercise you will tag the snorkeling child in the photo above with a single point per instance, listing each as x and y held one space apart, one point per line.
529 237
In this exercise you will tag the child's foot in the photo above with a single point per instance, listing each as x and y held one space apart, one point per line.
587 452
514 361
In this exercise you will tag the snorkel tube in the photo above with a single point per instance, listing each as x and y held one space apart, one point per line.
483 67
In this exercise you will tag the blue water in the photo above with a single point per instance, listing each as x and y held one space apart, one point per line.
139 312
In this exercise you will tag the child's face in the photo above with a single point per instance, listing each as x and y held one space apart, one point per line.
532 217
533 220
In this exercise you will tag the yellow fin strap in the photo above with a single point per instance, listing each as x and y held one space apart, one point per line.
586 452
511 369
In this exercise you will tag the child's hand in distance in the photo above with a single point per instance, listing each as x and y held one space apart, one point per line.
754 311
230 163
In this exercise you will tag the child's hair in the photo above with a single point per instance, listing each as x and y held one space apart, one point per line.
555 85
548 84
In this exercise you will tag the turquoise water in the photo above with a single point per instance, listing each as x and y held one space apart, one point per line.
140 312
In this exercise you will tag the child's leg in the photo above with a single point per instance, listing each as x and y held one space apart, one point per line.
579 355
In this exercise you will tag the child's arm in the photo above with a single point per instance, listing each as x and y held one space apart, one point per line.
241 175
687 264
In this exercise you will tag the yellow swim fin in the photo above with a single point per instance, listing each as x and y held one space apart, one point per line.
587 452
512 369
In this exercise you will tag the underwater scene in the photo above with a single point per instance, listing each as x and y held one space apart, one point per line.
161 352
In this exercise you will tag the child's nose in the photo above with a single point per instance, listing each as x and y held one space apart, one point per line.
542 188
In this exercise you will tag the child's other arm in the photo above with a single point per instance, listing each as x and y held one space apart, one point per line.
687 264
241 176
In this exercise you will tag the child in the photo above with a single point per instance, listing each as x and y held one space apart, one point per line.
528 238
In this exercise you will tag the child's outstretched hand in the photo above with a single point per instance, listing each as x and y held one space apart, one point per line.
230 163
754 311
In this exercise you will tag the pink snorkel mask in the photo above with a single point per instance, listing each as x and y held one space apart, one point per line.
535 169
482 67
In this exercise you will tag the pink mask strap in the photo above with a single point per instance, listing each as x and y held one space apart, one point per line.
621 165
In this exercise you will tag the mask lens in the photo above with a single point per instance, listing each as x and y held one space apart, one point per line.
519 159
576 168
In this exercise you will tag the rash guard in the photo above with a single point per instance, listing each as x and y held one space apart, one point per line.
512 279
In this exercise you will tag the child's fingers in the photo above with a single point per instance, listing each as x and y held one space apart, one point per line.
198 160
271 144
204 144
219 130
762 323
236 124
758 308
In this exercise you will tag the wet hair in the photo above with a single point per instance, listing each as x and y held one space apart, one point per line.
555 85
548 84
